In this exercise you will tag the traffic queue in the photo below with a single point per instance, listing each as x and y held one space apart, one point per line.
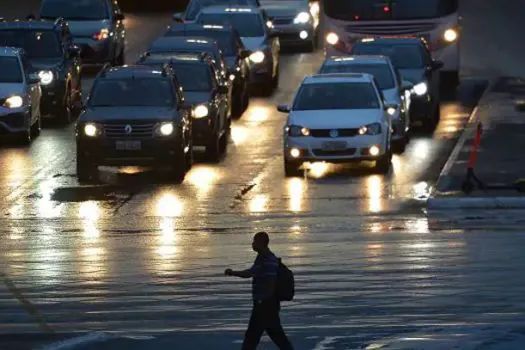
192 81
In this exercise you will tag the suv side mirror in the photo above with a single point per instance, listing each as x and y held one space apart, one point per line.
74 51
436 64
245 53
223 89
283 108
406 85
119 17
177 17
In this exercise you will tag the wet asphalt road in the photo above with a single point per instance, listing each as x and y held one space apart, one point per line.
143 257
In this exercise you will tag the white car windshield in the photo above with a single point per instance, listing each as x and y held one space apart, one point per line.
381 72
336 96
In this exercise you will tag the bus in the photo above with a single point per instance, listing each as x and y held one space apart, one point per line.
437 21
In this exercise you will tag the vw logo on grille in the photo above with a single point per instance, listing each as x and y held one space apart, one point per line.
128 129
334 133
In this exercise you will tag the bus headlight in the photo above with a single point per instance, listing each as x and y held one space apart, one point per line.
450 35
332 38
257 57
301 18
421 89
46 77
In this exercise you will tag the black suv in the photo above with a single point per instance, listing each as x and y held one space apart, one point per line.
234 52
135 115
52 55
211 118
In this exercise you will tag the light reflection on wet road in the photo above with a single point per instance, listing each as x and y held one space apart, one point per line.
141 255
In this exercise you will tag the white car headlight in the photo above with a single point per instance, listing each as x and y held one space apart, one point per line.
450 35
257 57
46 77
91 130
302 18
332 38
14 102
420 89
166 129
200 111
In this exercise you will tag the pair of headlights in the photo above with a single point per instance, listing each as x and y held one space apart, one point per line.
162 129
450 35
298 131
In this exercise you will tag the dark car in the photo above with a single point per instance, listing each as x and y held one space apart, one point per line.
209 99
411 57
52 55
195 6
234 53
97 27
135 115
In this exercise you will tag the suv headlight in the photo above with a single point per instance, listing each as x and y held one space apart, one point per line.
200 111
257 57
297 131
370 129
421 89
165 129
14 102
92 130
46 77
302 18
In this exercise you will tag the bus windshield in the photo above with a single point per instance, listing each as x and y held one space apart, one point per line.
374 10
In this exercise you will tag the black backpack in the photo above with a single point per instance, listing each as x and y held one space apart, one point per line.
285 284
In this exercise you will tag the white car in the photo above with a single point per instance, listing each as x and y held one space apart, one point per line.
394 89
337 118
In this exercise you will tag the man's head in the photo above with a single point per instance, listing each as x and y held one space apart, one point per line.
260 241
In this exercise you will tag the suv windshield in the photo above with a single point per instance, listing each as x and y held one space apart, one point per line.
143 92
193 77
336 96
223 38
10 71
380 71
195 6
37 44
356 10
75 9
403 56
246 24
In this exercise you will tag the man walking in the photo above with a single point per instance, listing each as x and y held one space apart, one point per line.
266 306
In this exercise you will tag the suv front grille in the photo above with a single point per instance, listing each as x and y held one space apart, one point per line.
121 130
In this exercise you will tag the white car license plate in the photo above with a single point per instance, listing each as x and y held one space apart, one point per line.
128 145
334 145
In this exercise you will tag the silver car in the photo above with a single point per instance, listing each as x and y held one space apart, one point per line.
20 95
395 91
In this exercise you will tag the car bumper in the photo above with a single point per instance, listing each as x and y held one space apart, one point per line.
202 131
94 52
261 72
399 129
294 34
421 108
52 97
14 120
158 152
314 149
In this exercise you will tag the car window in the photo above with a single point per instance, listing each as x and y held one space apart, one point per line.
196 6
10 71
132 92
336 96
403 56
193 77
36 44
246 24
75 10
381 72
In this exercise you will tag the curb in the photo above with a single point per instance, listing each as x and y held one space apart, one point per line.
444 178
452 203
93 337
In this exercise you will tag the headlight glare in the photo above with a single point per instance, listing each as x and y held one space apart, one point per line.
257 57
302 18
370 129
46 77
14 102
420 89
391 110
297 131
450 35
332 38
200 111
314 8
91 130
166 129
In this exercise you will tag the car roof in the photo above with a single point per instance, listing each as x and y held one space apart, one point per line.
200 27
176 42
338 78
356 59
391 40
186 58
10 51
131 71
27 24
230 9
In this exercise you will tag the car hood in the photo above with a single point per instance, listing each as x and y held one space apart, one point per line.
284 8
126 114
414 76
9 89
392 96
253 43
87 28
334 119
45 63
195 97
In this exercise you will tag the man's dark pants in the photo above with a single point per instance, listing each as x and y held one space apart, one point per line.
265 317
